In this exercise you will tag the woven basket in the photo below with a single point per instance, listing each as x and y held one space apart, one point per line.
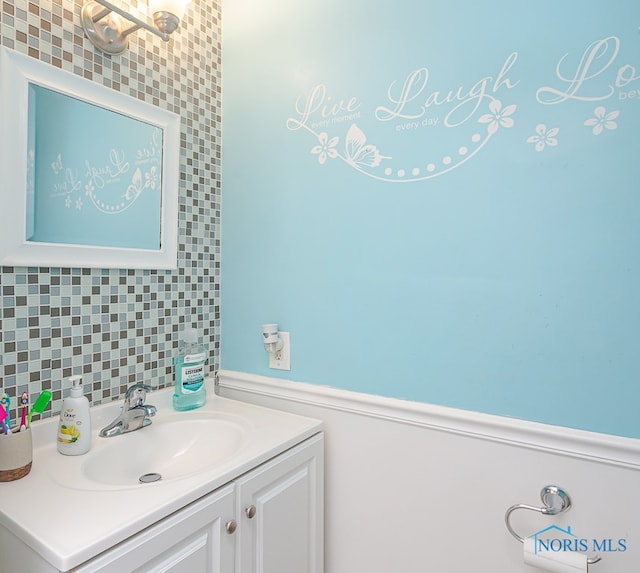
10 475
16 454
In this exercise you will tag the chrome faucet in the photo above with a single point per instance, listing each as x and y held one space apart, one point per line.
135 413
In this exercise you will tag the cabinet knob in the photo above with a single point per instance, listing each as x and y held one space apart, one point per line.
231 526
250 511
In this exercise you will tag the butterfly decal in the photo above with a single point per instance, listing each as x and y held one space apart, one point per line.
136 186
57 164
359 152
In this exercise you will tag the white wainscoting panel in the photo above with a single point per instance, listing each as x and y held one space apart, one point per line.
417 488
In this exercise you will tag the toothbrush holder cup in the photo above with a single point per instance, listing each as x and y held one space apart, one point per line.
16 454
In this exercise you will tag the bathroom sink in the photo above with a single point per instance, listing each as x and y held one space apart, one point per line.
88 503
164 451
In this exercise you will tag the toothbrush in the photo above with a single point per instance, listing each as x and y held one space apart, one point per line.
3 417
24 400
39 406
5 400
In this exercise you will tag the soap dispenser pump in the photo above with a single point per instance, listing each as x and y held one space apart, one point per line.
74 427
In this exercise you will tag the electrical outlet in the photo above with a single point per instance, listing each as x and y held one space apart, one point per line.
281 360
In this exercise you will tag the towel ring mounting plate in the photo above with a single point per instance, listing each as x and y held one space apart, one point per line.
554 500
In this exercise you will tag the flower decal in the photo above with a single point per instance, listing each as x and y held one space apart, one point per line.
152 178
498 117
544 137
602 120
326 148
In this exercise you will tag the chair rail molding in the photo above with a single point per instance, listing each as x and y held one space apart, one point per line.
603 448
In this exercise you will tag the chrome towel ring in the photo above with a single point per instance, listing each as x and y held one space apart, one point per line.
555 500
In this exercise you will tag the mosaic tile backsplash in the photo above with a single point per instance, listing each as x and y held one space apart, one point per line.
120 326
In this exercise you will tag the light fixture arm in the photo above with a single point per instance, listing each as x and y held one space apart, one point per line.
107 26
135 27
109 7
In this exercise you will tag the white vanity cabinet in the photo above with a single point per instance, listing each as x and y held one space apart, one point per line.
242 491
270 520
280 515
193 540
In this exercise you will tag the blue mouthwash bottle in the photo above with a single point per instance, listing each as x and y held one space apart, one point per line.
188 366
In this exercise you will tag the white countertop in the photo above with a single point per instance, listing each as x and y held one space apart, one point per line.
67 524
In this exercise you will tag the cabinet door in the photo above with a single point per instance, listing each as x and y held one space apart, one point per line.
192 540
280 513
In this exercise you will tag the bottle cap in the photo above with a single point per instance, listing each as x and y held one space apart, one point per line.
189 335
77 388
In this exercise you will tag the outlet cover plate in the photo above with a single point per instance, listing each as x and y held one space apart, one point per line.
281 360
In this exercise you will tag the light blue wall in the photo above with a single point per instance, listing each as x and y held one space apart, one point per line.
479 250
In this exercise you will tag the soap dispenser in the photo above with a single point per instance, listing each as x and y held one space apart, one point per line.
74 427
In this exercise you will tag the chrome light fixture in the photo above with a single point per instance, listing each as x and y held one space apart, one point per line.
108 26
